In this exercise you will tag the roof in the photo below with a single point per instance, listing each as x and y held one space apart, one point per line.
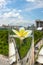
39 21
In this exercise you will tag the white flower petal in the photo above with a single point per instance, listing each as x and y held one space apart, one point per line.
16 32
28 34
22 29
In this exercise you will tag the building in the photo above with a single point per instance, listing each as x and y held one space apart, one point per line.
39 25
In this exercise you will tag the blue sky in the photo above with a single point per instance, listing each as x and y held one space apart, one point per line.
20 11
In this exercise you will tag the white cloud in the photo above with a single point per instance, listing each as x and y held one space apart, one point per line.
34 5
11 16
2 3
30 0
20 10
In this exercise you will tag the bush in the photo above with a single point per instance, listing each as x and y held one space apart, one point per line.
37 36
4 42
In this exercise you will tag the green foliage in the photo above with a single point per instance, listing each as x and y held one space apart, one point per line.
11 32
4 42
23 47
37 36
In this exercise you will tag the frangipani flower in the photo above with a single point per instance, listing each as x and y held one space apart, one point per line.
22 33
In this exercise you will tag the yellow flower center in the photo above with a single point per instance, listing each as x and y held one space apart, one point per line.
21 32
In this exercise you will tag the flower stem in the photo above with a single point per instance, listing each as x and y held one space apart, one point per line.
21 42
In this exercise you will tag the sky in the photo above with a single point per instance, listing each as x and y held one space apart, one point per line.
20 11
